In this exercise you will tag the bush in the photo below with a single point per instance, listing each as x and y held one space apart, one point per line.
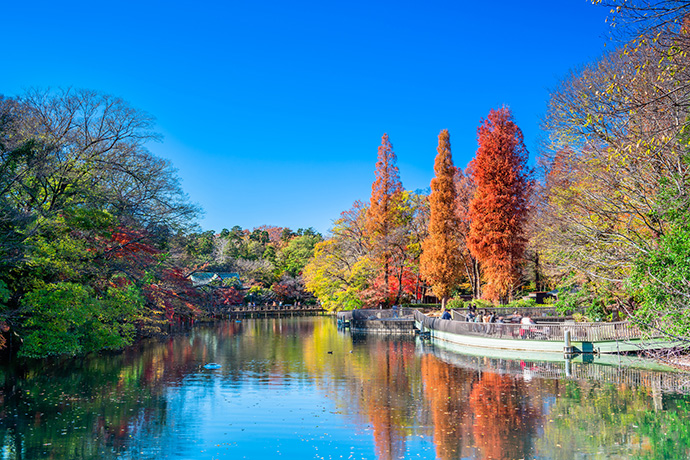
522 303
586 297
422 306
455 304
481 304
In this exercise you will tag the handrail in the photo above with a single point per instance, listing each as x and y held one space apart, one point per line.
271 308
535 312
374 314
579 332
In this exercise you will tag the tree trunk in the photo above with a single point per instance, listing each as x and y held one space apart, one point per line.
386 269
476 281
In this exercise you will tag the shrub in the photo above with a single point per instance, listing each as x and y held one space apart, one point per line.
522 303
455 303
481 303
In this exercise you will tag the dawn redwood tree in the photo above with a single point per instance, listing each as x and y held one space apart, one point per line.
498 210
441 261
465 188
383 214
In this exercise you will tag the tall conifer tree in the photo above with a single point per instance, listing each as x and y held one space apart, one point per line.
498 211
384 212
441 261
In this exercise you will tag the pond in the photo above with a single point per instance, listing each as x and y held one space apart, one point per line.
300 388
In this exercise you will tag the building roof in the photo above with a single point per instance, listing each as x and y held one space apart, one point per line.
202 278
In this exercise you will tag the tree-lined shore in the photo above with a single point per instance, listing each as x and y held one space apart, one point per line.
98 240
602 222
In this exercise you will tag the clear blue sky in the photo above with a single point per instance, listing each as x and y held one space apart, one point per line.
272 111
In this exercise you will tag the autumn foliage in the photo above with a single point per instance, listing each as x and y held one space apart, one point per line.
498 211
501 419
441 261
384 208
465 188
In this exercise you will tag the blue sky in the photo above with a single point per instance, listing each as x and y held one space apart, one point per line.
272 111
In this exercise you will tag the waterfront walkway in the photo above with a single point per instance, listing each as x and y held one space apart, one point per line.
237 311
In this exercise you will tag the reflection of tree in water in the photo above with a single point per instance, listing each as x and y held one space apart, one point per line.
504 420
446 389
381 392
120 405
624 421
95 406
387 397
87 414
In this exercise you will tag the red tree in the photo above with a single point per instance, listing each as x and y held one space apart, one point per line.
498 210
465 188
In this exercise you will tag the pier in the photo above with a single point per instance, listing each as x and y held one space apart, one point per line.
260 311
393 321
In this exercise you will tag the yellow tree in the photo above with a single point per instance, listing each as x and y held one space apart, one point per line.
441 261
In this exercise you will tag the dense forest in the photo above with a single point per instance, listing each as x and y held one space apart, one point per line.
98 239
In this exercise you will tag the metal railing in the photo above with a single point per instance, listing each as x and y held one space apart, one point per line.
579 332
270 308
539 318
532 312
374 314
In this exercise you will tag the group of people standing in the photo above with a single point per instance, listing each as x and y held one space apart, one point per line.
486 316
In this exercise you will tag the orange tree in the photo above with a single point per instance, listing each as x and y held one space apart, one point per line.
441 261
384 213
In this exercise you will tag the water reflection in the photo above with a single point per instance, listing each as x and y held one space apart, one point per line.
299 388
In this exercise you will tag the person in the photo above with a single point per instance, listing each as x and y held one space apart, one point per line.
525 330
446 315
515 317
526 320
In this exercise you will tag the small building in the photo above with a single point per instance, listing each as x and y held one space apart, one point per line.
204 278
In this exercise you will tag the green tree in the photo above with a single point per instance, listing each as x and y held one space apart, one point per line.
660 276
85 211
297 253
68 318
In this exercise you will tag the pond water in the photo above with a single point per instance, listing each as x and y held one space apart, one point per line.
300 388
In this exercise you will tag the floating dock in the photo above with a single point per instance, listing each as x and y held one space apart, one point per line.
393 322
